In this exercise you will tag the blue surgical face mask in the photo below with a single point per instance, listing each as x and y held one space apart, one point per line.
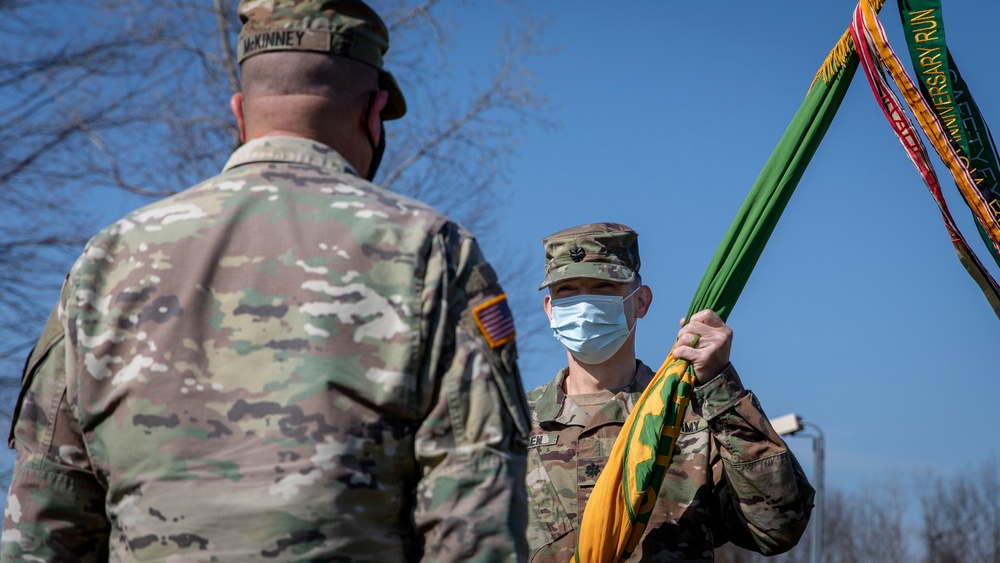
591 327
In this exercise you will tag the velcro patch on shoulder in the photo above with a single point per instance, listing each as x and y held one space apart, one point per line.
481 278
495 321
543 440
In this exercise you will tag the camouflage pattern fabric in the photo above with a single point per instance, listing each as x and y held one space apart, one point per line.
732 478
280 364
346 28
602 251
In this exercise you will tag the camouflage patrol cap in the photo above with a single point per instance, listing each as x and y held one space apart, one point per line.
348 28
601 251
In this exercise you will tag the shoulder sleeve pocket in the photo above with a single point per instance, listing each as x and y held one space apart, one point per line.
547 519
51 335
489 317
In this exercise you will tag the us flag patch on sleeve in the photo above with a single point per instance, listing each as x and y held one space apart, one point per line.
495 321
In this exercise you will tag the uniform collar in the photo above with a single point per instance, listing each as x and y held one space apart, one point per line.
555 406
550 403
296 150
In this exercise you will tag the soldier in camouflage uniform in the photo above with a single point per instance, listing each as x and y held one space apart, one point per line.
284 362
731 479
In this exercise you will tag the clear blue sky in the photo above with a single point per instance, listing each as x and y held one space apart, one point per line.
859 316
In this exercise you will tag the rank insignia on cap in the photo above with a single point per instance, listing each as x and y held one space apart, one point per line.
577 253
495 321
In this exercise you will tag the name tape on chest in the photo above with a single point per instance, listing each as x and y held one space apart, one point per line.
543 440
694 426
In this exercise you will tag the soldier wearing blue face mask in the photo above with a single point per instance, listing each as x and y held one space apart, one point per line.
732 477
591 327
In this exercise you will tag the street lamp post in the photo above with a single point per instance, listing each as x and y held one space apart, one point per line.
790 424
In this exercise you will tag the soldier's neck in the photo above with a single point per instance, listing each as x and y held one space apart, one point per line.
611 375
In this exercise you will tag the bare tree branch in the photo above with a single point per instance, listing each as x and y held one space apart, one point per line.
451 132
413 13
135 105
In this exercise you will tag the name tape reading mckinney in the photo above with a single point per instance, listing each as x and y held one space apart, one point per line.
298 39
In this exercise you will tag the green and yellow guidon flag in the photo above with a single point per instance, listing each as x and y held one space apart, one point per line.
623 499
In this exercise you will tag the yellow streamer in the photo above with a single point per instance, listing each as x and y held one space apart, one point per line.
930 125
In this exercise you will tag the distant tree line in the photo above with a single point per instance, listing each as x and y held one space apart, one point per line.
956 520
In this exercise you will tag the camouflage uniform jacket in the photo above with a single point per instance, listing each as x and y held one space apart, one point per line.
283 363
731 479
